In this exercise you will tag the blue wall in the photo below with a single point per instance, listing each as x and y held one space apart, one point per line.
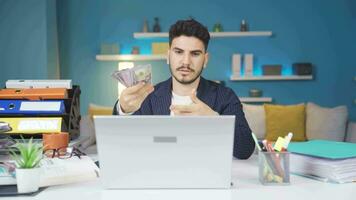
28 40
318 31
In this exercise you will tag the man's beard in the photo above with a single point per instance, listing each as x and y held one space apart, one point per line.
186 82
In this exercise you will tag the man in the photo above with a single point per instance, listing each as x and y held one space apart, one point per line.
186 92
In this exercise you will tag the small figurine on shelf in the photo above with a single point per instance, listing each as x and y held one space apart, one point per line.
243 26
135 50
145 26
217 27
255 92
156 26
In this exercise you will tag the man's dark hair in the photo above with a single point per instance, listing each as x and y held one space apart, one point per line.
189 27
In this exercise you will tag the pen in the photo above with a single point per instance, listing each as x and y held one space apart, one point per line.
269 146
256 141
264 142
262 147
275 159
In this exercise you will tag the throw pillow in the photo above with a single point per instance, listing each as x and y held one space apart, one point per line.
99 110
280 120
255 116
87 131
326 123
87 124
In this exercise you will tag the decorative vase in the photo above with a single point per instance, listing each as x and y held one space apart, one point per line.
135 50
156 26
145 26
217 27
243 26
28 180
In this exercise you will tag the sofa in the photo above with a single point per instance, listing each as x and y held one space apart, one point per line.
87 129
315 121
319 123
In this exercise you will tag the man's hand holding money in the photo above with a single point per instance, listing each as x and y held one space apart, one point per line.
132 97
138 83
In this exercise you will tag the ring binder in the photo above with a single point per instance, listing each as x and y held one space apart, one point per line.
34 94
39 84
16 107
70 114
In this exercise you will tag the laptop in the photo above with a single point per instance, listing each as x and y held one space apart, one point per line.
151 152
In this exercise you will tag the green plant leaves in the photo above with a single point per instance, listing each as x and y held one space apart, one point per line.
30 154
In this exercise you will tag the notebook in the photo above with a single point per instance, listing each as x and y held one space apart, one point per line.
324 149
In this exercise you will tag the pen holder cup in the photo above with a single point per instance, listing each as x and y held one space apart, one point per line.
274 168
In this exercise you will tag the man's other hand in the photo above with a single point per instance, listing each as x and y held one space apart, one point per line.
196 108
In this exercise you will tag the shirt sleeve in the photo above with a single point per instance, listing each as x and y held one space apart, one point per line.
118 111
243 141
145 108
118 108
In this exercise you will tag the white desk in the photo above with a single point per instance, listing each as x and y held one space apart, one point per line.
246 186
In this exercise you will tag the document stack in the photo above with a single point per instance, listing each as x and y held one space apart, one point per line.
33 107
324 160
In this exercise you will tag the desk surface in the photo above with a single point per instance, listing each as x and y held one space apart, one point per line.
246 186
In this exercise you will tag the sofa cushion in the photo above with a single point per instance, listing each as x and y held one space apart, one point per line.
256 118
87 124
99 110
87 131
280 120
326 123
351 132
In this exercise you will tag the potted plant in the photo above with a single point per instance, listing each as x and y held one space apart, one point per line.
27 165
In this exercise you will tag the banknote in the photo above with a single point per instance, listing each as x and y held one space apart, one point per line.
142 73
133 76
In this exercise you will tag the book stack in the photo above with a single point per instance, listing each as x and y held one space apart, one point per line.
324 160
58 171
33 107
55 171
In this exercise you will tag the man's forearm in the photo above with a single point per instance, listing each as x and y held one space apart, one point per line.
243 144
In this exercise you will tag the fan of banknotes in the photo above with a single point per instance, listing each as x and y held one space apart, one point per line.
132 76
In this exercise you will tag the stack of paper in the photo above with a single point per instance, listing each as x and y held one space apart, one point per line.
57 171
63 171
6 173
324 160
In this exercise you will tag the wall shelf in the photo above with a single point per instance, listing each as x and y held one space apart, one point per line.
255 99
212 34
269 78
129 57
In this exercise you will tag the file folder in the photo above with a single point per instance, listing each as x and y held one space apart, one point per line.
16 107
33 125
324 160
324 149
70 116
34 94
39 84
